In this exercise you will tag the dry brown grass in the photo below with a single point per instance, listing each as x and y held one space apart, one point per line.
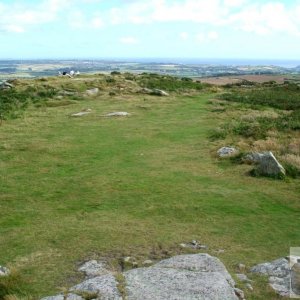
292 159
270 144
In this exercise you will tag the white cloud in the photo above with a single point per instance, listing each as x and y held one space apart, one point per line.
251 16
184 36
212 35
207 36
128 40
18 17
234 3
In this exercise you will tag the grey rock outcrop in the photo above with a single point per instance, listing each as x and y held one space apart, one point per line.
197 276
93 268
266 162
194 276
104 286
227 151
278 272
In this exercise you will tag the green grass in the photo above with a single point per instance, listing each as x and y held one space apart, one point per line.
79 188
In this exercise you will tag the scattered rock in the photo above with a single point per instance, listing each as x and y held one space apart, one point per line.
266 163
4 271
93 268
82 113
193 245
92 92
227 151
249 287
239 293
242 277
118 114
6 86
104 286
198 276
154 92
241 267
279 274
147 263
220 251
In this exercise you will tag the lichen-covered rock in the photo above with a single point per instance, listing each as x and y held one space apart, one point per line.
267 164
279 274
227 151
197 276
105 286
93 268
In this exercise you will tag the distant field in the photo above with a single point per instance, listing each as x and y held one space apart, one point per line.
235 79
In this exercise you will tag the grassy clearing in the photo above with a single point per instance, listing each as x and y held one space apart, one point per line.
79 188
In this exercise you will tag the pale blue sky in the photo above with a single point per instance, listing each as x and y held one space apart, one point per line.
256 29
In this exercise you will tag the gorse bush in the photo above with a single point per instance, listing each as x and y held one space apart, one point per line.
168 83
285 97
13 102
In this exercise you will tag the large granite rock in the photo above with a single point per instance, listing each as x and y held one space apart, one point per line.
267 164
188 277
197 276
104 286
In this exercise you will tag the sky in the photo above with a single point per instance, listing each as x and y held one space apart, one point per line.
232 29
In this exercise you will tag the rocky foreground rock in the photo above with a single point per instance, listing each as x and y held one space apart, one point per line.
195 276
279 273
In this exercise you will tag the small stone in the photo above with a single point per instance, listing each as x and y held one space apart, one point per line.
220 251
239 293
226 151
147 262
118 114
183 245
4 271
93 268
81 114
241 267
242 277
249 286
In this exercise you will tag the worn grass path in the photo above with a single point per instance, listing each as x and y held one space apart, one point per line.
74 188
